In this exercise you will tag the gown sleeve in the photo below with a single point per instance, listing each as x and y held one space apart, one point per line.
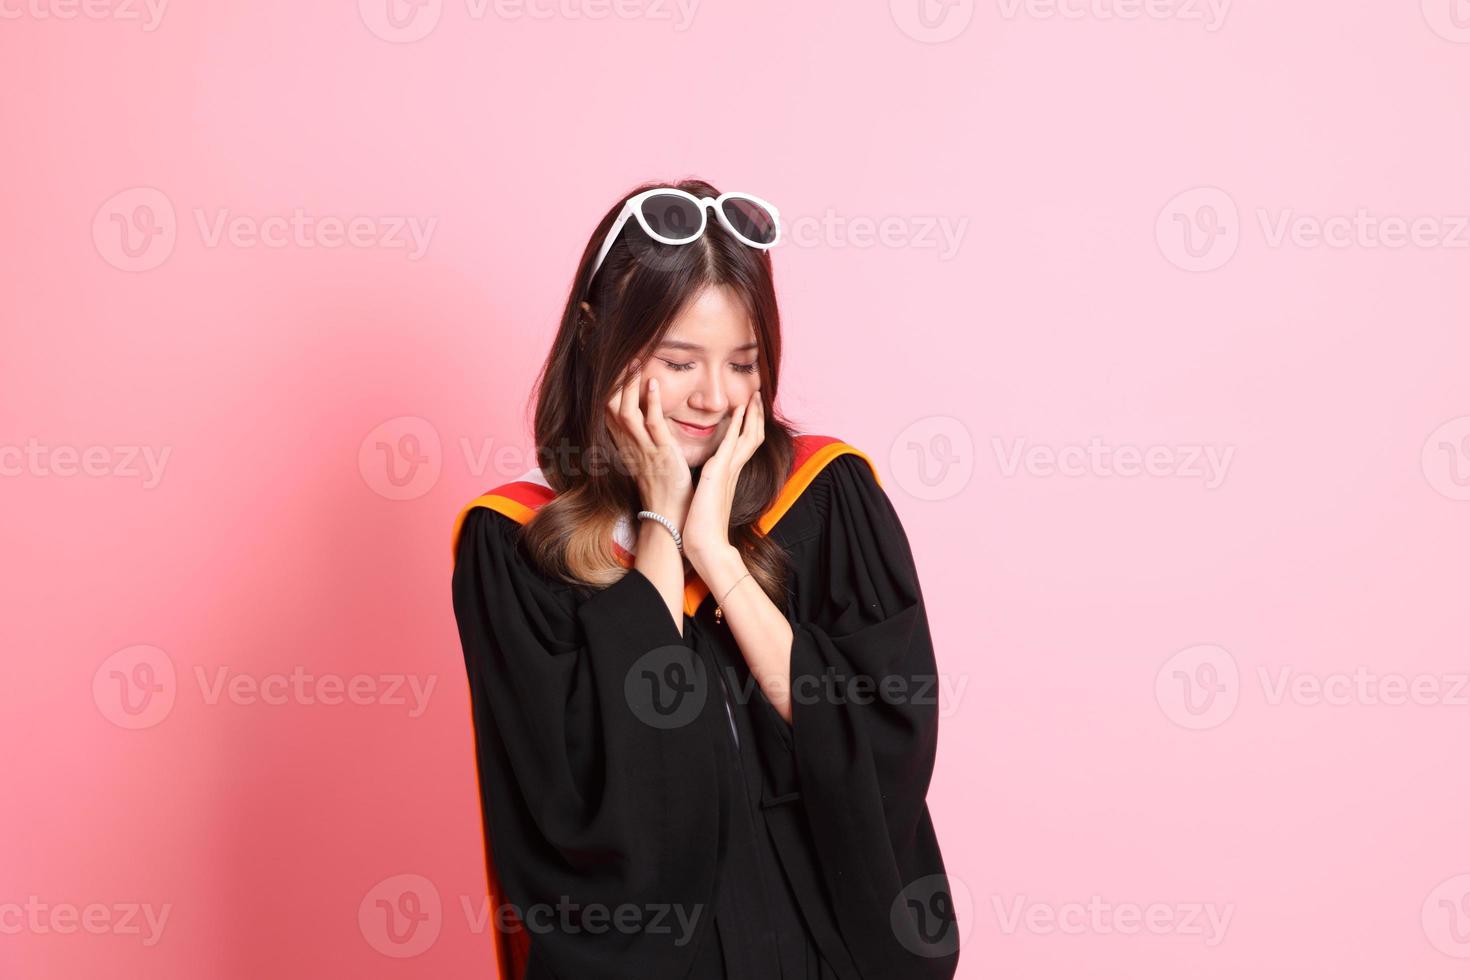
585 803
862 757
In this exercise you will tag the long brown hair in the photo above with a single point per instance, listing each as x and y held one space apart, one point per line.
636 294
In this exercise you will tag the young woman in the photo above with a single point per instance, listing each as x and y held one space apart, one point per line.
700 670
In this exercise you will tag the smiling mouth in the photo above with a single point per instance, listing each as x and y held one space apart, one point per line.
695 430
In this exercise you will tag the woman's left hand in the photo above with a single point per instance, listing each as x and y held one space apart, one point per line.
707 525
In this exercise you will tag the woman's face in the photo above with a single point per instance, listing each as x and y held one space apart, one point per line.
706 368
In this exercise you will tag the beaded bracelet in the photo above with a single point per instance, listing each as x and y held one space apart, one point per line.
678 538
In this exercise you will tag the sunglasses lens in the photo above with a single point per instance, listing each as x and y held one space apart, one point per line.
751 220
672 216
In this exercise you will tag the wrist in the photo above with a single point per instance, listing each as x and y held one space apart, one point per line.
673 512
714 562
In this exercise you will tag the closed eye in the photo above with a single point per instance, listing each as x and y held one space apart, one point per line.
742 368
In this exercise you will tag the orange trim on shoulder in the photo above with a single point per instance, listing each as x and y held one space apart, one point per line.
813 453
520 500
812 456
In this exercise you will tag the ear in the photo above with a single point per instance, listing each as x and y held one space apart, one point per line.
586 315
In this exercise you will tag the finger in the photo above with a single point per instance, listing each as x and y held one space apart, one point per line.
632 413
755 423
732 434
658 426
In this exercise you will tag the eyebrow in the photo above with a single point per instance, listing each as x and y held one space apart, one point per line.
696 348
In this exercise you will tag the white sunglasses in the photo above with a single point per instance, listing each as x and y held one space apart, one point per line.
677 217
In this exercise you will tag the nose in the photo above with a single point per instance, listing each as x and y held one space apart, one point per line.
709 395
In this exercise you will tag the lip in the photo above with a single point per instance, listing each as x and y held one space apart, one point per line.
696 431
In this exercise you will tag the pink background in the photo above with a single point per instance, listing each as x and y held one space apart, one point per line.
1115 186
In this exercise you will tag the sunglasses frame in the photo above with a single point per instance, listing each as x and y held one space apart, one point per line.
633 208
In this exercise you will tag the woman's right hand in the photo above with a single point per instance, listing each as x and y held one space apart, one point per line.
649 450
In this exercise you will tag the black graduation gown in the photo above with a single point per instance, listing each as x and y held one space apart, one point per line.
649 815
